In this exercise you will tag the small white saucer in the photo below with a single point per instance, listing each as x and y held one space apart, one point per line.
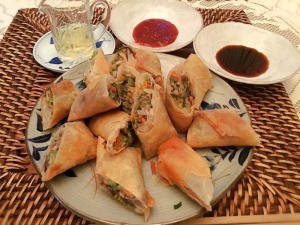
45 54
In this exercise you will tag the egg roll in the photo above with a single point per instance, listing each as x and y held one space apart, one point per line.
70 145
115 127
56 102
149 62
220 127
140 59
99 67
95 98
180 165
150 119
121 177
186 86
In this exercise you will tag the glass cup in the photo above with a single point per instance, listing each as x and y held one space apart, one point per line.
72 29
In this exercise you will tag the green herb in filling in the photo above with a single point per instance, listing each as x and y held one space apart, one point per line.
145 105
125 138
126 90
116 192
181 92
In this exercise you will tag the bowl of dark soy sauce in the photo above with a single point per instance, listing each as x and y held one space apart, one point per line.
247 54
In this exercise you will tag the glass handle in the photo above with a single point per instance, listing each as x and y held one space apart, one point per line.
105 15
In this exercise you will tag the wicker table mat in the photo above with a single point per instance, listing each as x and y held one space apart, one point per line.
270 185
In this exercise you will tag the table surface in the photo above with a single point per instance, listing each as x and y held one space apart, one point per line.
287 9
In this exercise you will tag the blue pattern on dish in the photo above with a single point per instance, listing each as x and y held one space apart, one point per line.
81 85
55 60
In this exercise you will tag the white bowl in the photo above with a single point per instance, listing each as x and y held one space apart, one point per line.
284 58
128 13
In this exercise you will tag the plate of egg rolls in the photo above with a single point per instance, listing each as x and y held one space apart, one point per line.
139 137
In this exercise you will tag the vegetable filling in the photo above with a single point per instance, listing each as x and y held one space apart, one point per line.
124 139
122 195
121 56
180 91
53 149
126 90
112 91
139 116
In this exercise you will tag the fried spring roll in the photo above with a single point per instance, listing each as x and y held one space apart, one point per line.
141 60
149 62
150 119
220 127
72 144
187 84
115 127
99 67
121 176
56 102
179 164
96 98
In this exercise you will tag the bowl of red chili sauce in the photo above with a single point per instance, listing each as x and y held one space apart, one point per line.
155 25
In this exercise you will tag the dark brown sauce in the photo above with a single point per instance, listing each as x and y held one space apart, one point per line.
242 61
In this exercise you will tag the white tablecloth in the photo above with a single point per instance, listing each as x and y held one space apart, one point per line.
288 10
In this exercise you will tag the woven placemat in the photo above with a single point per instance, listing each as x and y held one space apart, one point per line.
270 185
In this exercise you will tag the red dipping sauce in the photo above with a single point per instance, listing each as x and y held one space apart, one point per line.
155 33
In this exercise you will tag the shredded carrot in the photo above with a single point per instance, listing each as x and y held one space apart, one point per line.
133 116
153 167
191 98
147 84
113 88
118 143
173 74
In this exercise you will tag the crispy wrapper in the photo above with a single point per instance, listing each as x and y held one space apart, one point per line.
108 126
99 67
199 79
72 144
220 127
149 62
157 128
123 172
199 72
56 102
179 164
93 100
123 55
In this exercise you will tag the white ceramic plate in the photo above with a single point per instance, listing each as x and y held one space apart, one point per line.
76 190
45 54
128 13
284 58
